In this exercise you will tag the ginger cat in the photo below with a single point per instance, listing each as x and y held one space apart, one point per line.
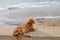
23 29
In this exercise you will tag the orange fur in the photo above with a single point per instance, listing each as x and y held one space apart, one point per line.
24 28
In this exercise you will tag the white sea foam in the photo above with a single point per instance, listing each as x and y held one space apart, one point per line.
27 5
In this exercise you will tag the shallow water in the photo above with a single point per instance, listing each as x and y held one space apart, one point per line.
5 4
16 12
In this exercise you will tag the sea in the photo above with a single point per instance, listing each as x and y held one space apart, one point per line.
6 5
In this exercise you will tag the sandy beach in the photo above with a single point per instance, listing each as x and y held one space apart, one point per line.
13 16
47 25
16 12
43 31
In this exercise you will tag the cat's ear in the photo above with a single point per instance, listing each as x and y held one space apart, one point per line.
29 17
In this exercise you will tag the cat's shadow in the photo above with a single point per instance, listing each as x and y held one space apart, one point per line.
38 33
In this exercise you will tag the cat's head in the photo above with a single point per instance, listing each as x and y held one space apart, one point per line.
31 21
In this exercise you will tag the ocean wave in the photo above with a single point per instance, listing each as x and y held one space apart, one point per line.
27 5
